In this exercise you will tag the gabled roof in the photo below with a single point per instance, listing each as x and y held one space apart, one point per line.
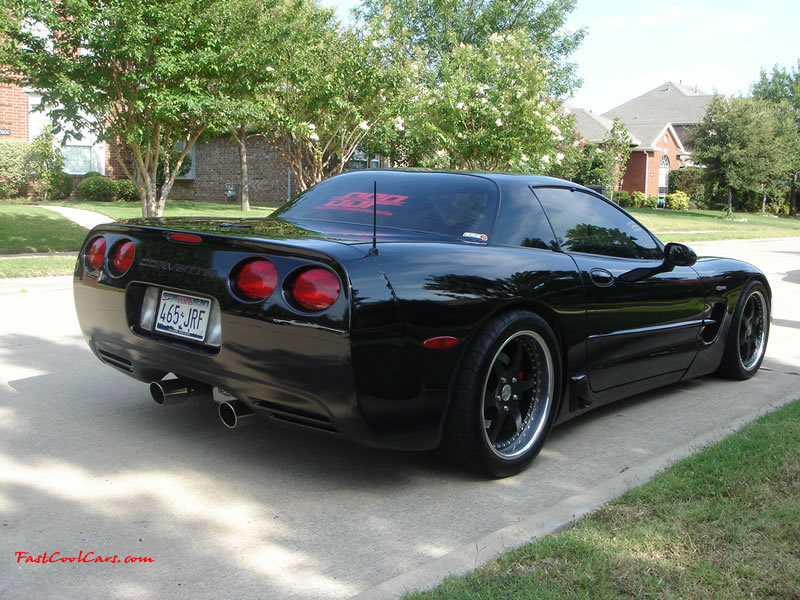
668 103
650 133
593 128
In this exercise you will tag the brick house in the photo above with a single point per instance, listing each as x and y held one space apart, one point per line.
215 163
663 122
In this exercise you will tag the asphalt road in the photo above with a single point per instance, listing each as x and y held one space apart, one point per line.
88 463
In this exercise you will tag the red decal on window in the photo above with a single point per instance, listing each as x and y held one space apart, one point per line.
362 202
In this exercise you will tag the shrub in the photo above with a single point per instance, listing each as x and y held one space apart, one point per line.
622 197
13 169
92 174
63 185
686 179
127 191
677 201
98 189
45 162
650 202
638 199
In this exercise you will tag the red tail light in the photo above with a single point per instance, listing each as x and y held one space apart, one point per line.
96 253
315 289
122 257
256 280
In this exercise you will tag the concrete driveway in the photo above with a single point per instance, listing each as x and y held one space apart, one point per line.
89 464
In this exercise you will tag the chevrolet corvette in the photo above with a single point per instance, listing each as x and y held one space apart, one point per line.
415 310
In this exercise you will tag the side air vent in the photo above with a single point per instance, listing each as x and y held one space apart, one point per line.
712 325
296 416
116 361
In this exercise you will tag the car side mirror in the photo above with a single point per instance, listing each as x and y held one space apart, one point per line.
679 255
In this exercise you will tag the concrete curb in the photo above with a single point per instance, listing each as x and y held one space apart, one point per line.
552 519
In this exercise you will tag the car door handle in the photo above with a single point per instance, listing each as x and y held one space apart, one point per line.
601 277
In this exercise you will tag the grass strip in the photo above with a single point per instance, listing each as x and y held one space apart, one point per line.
173 208
724 523
35 229
36 266
672 225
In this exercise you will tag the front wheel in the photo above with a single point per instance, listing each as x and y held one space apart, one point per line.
748 334
505 395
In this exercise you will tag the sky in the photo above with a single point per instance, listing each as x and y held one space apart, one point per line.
632 46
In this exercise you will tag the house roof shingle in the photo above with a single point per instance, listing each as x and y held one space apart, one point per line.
592 127
668 103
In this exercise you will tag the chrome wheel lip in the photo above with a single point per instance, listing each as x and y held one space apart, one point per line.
534 421
749 363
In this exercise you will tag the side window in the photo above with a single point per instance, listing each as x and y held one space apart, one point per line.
585 223
521 221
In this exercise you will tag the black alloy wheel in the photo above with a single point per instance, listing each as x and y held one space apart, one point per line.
505 396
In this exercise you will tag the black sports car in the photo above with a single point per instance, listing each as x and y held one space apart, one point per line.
409 310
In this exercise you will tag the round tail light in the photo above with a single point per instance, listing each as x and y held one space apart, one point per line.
315 289
122 257
96 253
256 280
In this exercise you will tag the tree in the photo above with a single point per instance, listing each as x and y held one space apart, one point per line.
486 81
327 97
143 72
616 150
45 163
262 36
741 142
431 29
784 86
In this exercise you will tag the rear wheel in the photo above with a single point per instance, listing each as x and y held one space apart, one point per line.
504 398
748 334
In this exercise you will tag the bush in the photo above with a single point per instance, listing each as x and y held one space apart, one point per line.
622 197
650 202
686 179
98 189
92 174
677 201
127 191
638 199
63 186
13 169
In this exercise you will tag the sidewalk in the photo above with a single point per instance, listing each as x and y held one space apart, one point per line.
84 218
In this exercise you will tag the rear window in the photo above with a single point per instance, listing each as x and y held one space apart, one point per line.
463 206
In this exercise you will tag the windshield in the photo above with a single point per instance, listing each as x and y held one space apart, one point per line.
463 206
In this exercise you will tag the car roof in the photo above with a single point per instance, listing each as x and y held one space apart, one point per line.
499 178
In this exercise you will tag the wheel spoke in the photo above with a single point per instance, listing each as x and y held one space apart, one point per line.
517 360
513 408
523 386
496 426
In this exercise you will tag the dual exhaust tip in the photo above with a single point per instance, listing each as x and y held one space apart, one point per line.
174 391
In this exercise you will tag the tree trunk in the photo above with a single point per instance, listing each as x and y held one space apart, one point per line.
730 200
763 199
793 196
239 136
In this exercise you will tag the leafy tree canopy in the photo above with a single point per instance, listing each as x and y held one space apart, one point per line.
142 71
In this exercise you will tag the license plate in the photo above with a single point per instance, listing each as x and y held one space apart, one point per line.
183 316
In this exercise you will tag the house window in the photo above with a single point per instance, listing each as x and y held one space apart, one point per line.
190 174
84 158
663 175
360 160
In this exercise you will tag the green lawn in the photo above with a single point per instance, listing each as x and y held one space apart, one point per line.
34 229
724 523
36 266
714 224
174 208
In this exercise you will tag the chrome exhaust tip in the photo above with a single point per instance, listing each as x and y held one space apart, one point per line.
232 412
175 391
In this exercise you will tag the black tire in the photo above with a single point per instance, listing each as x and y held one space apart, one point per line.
505 395
748 333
